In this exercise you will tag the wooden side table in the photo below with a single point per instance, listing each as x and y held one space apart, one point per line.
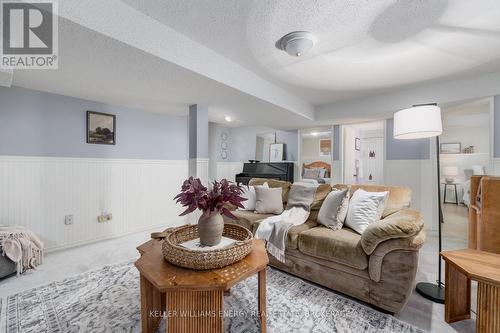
192 301
462 266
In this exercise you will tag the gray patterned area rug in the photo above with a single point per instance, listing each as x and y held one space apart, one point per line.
107 300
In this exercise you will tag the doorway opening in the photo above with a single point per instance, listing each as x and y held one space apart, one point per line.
363 153
316 146
465 150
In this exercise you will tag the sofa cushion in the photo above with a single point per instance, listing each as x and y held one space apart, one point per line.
285 186
301 196
251 221
321 192
342 246
247 219
294 232
399 196
403 224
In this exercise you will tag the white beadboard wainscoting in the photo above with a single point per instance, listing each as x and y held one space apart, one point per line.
336 176
37 192
198 168
420 176
228 170
496 165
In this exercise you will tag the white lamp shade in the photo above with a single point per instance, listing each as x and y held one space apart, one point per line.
423 121
450 171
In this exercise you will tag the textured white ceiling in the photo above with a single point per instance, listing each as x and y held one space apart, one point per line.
95 67
364 47
162 55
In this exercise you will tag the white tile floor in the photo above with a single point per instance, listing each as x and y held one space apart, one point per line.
62 264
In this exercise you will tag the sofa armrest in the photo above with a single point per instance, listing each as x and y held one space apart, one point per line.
401 246
402 224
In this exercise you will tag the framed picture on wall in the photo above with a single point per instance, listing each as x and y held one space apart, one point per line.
101 128
325 147
357 144
451 148
276 152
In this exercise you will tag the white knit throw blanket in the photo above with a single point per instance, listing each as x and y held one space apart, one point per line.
274 230
21 246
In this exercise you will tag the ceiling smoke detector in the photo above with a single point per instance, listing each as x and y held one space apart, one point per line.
296 43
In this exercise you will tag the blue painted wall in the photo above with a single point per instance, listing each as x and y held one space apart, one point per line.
336 142
198 131
405 149
34 123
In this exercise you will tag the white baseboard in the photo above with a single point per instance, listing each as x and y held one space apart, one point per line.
159 227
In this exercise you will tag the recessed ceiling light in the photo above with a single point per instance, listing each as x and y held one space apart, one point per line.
228 119
296 43
314 133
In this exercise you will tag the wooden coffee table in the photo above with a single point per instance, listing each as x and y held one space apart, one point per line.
465 265
190 300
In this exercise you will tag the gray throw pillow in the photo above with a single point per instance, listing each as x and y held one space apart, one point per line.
301 196
268 200
332 208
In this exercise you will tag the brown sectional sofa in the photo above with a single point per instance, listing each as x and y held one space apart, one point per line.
377 267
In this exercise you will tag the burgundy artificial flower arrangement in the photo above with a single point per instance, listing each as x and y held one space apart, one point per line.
196 196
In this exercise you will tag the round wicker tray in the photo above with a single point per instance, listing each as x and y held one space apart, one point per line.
202 260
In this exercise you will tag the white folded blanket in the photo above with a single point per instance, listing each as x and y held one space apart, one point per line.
274 230
21 246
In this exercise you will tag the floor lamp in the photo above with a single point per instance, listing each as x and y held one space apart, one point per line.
418 122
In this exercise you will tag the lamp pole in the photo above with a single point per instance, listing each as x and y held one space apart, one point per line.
424 121
431 291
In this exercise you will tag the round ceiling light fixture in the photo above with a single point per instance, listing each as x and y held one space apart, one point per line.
296 43
228 119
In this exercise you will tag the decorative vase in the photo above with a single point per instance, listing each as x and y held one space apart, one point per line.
210 229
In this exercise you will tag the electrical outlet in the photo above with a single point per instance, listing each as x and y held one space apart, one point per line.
104 218
68 219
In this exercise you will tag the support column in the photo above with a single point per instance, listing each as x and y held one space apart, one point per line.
198 142
198 149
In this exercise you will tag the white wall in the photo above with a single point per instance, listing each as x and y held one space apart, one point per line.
351 155
420 176
37 192
310 150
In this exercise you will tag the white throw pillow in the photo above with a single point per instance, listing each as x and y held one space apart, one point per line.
365 208
249 194
342 214
333 205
